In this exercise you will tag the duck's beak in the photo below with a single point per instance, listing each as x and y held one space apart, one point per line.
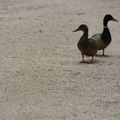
76 30
115 20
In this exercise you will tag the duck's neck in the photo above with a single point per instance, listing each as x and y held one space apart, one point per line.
85 35
106 36
105 23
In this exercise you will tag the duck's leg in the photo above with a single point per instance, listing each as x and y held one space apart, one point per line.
92 59
103 53
83 58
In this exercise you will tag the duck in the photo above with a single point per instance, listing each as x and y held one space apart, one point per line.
104 39
87 46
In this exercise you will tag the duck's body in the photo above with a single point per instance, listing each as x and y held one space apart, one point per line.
104 39
85 45
99 42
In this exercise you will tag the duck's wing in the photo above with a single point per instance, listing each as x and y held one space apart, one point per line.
96 37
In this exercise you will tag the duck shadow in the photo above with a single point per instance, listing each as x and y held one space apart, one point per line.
89 62
102 56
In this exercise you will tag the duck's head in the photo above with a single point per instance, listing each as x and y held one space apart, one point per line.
82 27
107 18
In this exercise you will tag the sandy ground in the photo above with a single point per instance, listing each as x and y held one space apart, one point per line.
41 77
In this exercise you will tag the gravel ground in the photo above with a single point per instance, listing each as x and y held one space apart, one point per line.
41 77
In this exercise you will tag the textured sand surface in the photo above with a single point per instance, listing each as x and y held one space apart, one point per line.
41 77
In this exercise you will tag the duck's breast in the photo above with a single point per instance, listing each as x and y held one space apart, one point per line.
99 42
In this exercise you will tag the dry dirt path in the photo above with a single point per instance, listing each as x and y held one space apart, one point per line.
40 74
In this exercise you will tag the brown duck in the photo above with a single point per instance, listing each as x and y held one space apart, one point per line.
87 46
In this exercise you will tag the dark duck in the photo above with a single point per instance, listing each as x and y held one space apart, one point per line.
85 45
104 39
